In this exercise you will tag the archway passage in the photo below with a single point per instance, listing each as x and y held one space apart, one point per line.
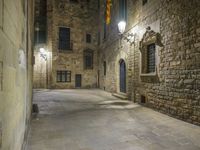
122 76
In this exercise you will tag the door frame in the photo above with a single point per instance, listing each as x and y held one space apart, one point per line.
125 76
76 80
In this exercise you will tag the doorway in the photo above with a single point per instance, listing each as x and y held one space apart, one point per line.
78 80
122 76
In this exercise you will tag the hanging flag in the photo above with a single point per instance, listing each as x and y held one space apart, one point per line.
108 11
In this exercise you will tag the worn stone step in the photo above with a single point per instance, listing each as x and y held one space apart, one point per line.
121 95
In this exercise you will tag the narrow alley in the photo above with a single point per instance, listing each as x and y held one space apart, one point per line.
99 75
95 120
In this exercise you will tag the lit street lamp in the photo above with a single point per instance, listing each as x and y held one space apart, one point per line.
43 53
122 26
129 37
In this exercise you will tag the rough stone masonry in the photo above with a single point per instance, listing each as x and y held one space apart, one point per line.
172 26
81 19
174 88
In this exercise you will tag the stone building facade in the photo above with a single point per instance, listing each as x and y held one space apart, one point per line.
161 52
75 64
155 62
16 38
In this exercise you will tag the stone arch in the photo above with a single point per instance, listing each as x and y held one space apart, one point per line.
121 56
122 76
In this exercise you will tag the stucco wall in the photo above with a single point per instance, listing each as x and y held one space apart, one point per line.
15 72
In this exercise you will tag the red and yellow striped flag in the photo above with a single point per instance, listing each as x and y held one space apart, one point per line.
108 11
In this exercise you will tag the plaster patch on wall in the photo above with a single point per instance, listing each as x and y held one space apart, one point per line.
22 59
1 75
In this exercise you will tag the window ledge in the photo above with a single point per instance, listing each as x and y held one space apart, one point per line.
148 74
149 77
65 51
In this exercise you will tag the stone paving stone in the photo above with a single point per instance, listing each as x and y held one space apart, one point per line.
74 120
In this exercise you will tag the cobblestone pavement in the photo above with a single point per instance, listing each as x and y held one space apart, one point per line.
95 120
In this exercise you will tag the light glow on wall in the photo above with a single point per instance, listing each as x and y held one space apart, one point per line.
122 26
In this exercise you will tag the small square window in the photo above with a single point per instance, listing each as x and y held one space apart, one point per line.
64 76
88 38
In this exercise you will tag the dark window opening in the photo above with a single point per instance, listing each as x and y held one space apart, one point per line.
104 68
88 59
88 38
64 76
143 99
99 38
73 1
123 9
105 31
151 63
40 35
99 4
64 39
144 2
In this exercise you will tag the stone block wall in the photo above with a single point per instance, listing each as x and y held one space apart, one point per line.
175 88
40 71
80 17
16 19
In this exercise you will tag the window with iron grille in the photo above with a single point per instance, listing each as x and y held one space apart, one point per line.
151 63
88 38
63 76
64 39
88 59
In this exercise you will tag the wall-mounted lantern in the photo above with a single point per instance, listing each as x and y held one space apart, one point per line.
122 26
130 37
43 53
